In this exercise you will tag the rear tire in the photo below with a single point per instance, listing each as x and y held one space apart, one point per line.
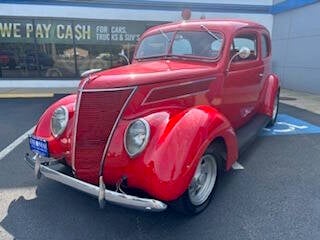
274 111
203 184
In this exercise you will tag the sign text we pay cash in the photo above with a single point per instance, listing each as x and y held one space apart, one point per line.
42 30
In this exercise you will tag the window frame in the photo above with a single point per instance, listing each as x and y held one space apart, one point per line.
268 44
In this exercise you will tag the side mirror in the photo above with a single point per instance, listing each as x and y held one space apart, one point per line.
244 53
122 54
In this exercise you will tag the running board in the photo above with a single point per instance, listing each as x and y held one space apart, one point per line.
247 133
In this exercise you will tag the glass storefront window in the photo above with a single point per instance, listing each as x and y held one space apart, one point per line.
99 43
16 41
93 57
63 49
16 62
55 52
56 60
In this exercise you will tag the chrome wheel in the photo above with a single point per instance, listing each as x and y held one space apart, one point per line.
203 180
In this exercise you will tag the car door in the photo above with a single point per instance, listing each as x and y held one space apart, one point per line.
243 79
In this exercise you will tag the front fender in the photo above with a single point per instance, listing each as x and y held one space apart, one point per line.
58 147
177 144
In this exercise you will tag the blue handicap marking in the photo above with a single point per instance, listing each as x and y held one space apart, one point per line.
288 125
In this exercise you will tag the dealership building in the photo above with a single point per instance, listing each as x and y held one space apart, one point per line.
48 44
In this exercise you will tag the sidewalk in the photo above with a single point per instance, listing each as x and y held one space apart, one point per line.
36 88
307 101
34 92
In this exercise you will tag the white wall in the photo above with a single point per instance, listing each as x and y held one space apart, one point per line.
296 37
25 10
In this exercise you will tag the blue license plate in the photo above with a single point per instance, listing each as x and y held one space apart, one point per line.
39 146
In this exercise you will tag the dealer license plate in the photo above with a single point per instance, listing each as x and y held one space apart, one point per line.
39 146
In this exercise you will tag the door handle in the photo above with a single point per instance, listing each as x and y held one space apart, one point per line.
260 74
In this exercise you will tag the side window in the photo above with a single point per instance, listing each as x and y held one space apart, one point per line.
244 40
265 49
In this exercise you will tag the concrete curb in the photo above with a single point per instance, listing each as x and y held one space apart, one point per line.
26 95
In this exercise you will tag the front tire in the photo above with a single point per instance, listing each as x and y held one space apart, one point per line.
201 189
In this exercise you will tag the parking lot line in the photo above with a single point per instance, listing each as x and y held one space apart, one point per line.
15 143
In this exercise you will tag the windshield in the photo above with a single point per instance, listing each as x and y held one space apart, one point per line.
195 44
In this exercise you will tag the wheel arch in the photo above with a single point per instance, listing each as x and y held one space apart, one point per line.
59 147
218 144
184 138
270 90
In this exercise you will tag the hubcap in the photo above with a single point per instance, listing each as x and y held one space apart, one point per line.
203 180
275 108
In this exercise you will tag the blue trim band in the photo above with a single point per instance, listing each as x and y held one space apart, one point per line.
152 5
290 5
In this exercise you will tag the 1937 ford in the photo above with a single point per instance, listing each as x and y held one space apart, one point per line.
195 94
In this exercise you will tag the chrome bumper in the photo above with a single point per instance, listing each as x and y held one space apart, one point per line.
110 196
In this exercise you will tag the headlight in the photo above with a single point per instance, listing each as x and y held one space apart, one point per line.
59 121
136 137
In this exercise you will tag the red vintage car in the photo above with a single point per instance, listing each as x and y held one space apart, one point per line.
161 130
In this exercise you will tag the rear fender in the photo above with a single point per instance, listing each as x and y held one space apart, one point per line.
270 91
178 142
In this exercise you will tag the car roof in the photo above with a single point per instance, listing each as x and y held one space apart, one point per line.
222 25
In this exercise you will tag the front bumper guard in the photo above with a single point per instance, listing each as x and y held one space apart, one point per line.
43 168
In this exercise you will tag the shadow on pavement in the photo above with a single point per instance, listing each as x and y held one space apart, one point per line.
77 216
59 212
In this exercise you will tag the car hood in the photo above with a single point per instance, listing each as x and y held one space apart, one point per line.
147 72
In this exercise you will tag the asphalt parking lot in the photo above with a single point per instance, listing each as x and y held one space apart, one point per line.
275 196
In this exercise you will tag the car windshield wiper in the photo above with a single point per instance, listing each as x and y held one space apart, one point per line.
166 56
209 32
148 57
